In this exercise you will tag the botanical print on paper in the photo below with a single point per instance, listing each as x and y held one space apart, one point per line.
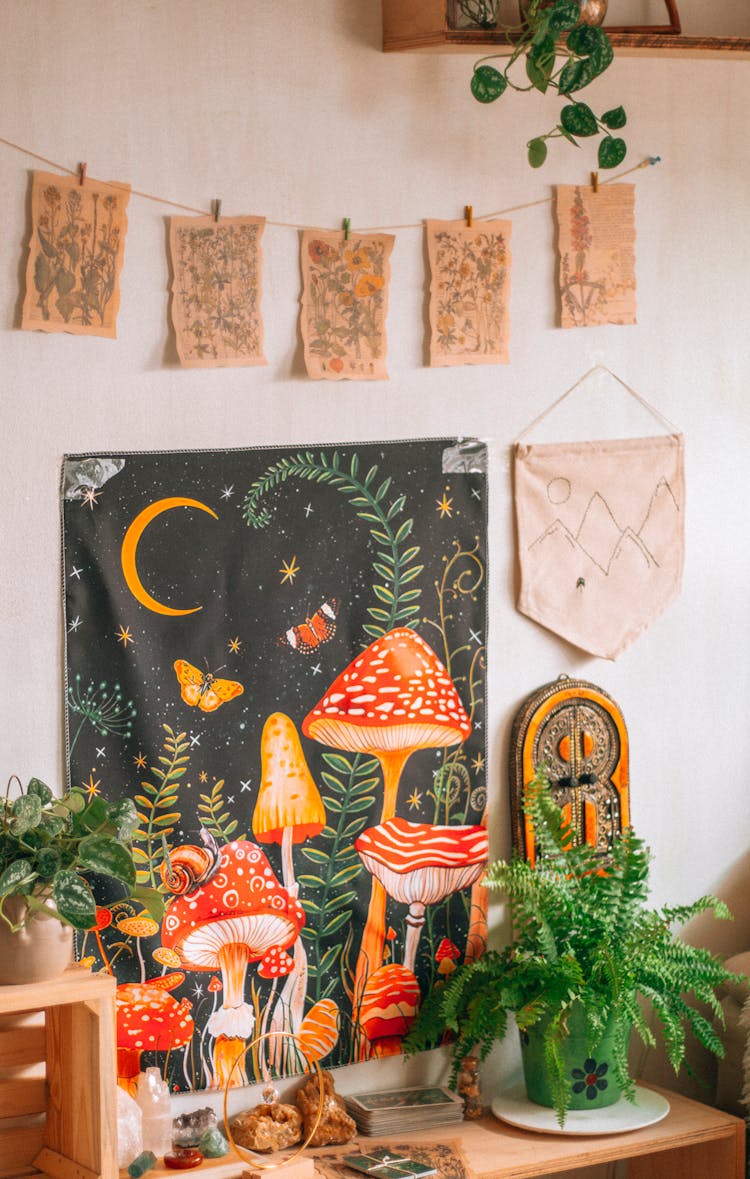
344 304
216 290
279 655
75 255
469 292
596 243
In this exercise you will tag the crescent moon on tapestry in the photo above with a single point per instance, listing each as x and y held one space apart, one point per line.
130 545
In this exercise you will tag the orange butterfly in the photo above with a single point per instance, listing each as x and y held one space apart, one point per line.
204 689
313 631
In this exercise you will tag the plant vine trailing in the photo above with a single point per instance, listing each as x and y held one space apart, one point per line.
547 30
395 567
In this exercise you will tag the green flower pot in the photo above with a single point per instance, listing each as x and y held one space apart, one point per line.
588 1071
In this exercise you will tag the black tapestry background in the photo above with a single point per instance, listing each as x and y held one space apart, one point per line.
206 592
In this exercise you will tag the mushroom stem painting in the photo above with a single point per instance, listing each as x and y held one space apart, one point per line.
288 810
396 697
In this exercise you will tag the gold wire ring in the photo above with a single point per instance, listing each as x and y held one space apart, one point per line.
238 1149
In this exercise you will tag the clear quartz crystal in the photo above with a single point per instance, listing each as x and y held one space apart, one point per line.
269 1093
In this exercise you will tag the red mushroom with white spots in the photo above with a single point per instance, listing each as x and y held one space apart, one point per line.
396 697
274 964
149 1019
420 864
233 919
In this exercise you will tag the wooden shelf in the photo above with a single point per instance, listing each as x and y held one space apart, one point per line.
692 1142
422 25
58 1114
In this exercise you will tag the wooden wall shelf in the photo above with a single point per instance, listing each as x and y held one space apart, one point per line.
58 1114
422 25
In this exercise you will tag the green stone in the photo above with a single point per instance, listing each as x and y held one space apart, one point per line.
213 1144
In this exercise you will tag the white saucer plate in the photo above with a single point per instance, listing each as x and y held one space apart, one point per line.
514 1107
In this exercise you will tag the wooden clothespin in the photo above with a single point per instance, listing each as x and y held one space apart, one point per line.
81 174
595 181
216 209
469 214
347 226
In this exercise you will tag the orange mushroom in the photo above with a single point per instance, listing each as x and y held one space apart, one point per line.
320 1030
446 955
394 698
288 810
389 1006
140 926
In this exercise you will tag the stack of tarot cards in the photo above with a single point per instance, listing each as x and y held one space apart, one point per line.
395 1111
389 1164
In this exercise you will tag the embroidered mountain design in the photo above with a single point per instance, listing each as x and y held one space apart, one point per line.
601 539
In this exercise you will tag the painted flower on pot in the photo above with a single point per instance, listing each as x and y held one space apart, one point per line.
591 1078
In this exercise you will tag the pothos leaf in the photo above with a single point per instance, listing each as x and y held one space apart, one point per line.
578 119
487 83
537 152
615 118
611 152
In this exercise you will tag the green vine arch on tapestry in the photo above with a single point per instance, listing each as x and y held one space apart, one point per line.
394 568
148 196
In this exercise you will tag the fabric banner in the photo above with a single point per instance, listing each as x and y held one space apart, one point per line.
601 529
279 654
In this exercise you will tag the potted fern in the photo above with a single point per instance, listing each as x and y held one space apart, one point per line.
585 950
48 846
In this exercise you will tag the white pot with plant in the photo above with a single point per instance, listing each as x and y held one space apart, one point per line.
48 845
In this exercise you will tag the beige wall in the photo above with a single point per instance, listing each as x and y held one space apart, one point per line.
290 110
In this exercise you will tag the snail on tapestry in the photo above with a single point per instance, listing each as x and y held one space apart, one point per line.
187 867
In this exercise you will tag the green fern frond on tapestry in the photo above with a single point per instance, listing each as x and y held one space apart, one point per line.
328 897
393 565
156 816
218 821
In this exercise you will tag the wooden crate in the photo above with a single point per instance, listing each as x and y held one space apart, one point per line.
58 1098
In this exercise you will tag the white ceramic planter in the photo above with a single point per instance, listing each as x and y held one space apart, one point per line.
41 950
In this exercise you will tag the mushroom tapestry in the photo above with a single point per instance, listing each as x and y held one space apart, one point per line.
279 655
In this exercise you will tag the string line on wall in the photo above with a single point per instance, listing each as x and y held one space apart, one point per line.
647 162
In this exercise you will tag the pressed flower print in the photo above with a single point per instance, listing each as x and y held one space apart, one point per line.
216 290
344 304
596 244
75 255
469 292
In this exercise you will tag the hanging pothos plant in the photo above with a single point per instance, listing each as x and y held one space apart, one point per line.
547 31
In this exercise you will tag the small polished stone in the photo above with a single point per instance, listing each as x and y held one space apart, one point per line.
144 1162
183 1160
213 1144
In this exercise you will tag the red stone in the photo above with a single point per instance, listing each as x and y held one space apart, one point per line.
183 1160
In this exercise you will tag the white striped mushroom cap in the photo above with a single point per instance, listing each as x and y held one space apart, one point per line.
422 862
395 695
242 904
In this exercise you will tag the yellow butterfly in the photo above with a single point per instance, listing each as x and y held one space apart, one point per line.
203 688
